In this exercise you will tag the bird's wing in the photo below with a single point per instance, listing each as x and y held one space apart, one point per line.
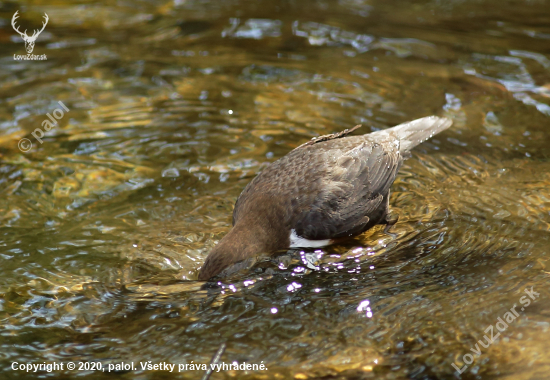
352 194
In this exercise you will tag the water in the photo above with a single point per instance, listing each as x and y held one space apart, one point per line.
175 106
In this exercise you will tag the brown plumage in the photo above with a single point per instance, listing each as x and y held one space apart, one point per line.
331 187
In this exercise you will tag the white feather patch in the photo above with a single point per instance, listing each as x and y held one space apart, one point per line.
299 242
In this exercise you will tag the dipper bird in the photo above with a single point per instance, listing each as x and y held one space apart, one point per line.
331 187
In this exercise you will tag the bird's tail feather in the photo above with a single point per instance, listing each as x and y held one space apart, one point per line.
415 132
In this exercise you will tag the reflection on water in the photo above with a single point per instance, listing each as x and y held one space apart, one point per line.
176 106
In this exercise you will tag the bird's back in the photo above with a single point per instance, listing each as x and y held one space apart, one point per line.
339 185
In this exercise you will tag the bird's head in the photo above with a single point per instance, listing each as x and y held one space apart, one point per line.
248 239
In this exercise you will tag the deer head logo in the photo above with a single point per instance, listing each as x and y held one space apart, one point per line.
29 41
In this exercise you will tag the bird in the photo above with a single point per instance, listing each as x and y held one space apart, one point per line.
332 187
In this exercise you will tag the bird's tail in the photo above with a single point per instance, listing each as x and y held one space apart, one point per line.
415 132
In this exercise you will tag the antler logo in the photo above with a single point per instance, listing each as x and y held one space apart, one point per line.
29 41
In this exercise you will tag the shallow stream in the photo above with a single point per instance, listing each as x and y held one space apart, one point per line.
174 106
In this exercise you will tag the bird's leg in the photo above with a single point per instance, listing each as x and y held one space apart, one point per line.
390 221
390 218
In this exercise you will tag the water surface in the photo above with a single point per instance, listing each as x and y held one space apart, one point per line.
175 106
